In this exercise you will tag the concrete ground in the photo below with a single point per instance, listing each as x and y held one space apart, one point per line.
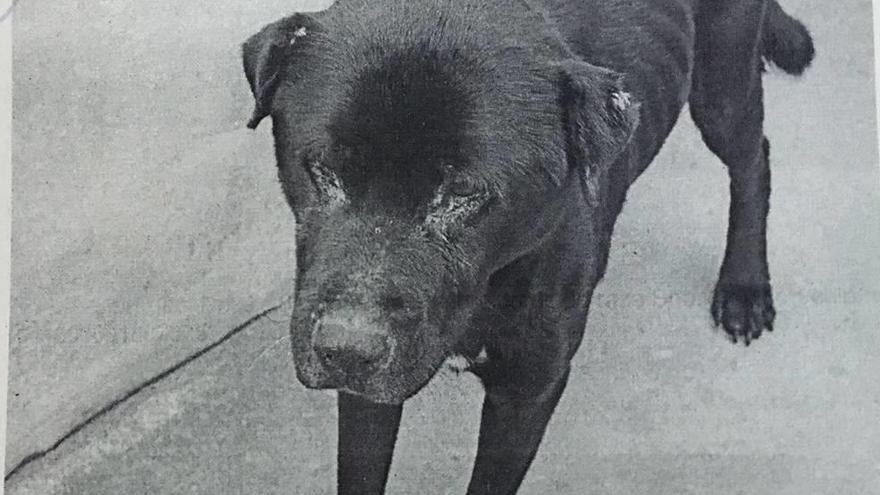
143 232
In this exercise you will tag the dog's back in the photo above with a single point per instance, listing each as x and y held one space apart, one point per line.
652 42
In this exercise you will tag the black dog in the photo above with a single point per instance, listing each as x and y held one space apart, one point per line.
456 168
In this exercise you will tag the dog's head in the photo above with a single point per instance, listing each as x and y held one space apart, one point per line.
422 148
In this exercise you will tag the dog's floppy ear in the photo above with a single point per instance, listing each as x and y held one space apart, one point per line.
599 116
266 54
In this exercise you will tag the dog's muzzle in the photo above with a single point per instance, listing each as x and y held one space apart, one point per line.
350 346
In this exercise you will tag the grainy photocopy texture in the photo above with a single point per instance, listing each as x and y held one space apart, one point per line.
153 268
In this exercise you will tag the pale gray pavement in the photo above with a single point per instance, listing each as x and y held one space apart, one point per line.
146 225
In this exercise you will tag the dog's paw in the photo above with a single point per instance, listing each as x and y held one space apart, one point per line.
743 310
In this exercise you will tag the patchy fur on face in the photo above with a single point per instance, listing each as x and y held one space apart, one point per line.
411 137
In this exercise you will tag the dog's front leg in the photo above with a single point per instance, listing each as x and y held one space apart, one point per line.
512 426
367 432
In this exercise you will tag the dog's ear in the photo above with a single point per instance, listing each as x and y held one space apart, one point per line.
599 117
267 53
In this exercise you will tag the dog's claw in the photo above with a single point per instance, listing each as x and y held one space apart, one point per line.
769 315
744 311
716 311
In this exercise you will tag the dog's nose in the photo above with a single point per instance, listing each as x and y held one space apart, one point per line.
350 346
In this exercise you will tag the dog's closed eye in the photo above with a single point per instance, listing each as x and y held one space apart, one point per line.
463 188
453 204
327 183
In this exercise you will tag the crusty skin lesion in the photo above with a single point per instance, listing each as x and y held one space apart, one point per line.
328 184
447 210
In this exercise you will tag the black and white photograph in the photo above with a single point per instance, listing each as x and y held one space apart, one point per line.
366 247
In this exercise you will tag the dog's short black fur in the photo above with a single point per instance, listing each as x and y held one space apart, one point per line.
456 168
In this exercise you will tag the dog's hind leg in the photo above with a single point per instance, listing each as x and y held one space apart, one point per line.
726 103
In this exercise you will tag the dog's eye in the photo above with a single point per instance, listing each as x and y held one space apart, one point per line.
455 203
463 188
326 182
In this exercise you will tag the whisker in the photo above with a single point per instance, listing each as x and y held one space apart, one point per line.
266 349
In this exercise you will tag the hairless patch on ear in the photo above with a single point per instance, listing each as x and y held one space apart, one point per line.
299 33
620 100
